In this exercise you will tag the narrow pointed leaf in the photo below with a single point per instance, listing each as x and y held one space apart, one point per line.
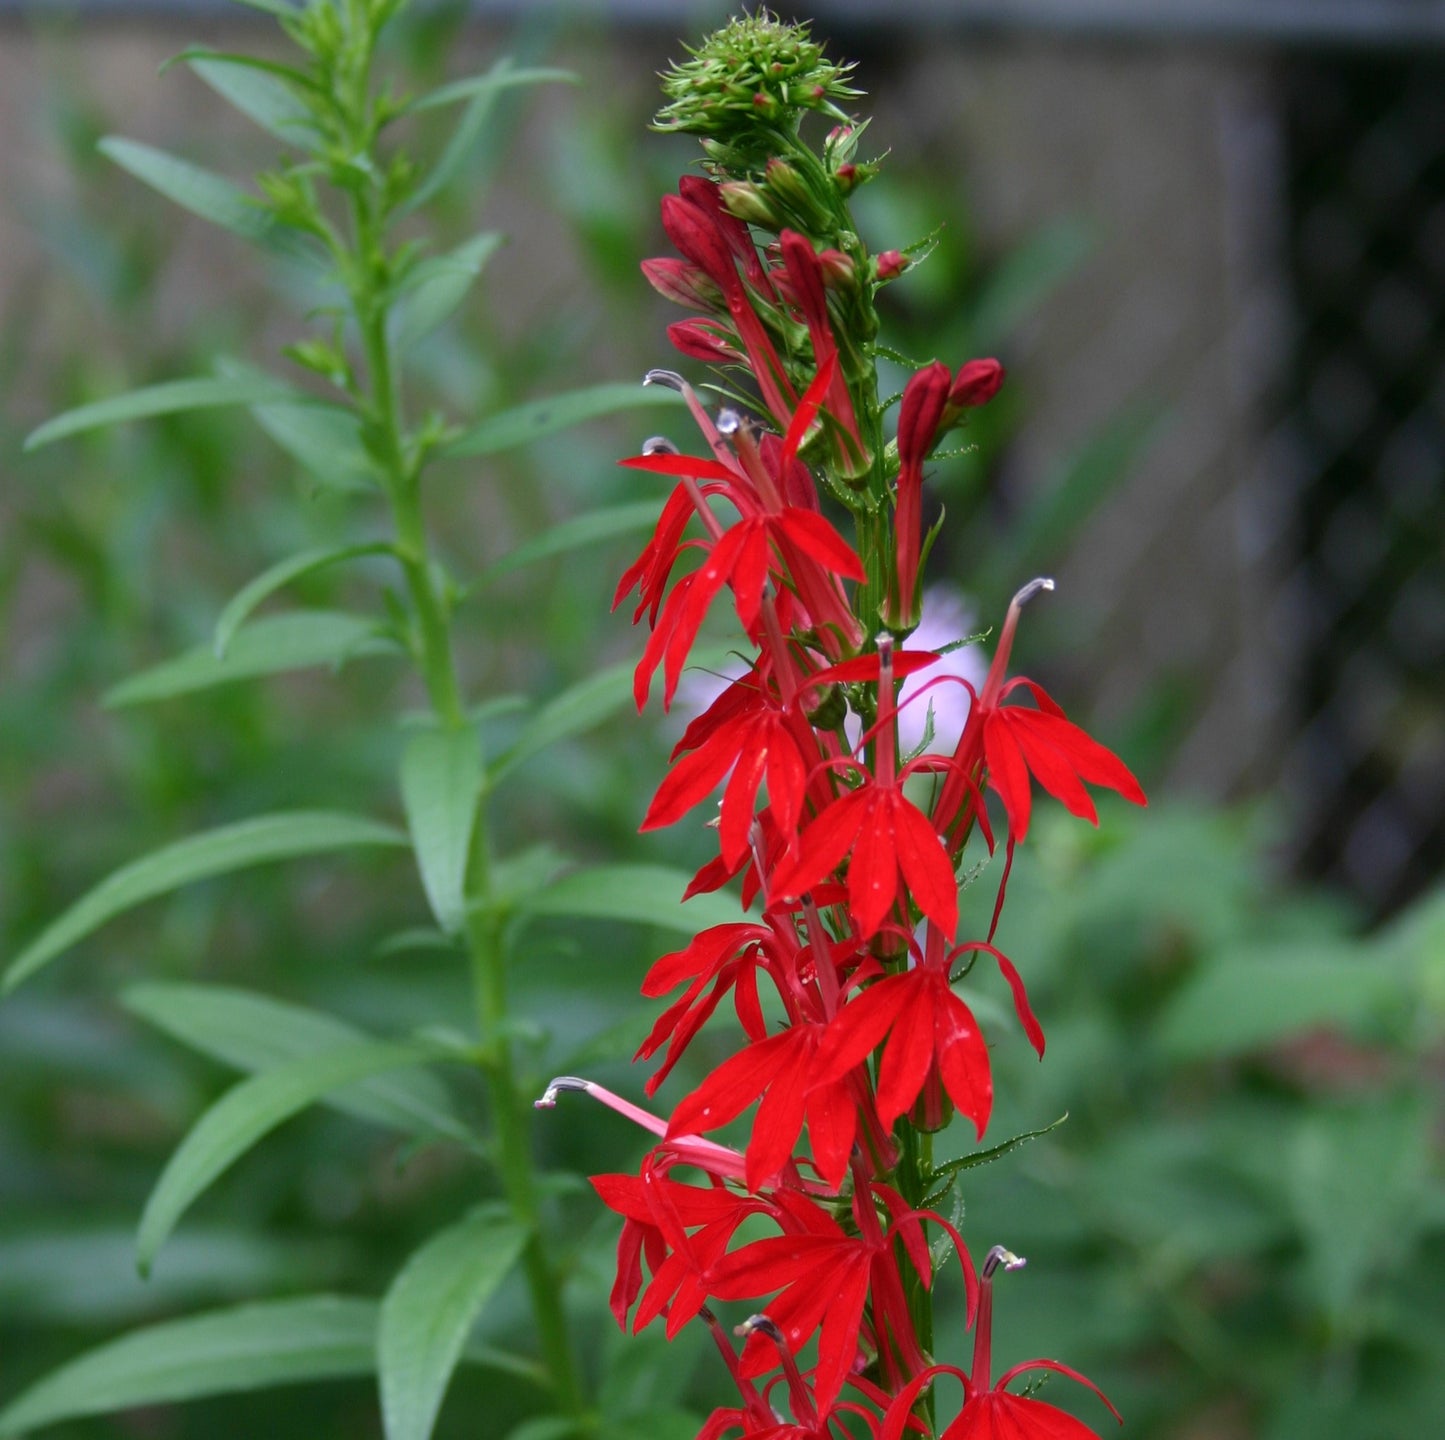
575 710
239 607
168 398
271 645
476 133
577 533
257 841
200 191
248 1347
644 894
438 286
441 783
500 77
248 1112
950 1171
325 439
254 1032
429 1311
260 94
526 423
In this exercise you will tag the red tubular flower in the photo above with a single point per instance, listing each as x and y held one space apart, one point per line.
683 283
989 1411
826 1277
807 285
919 416
928 1027
726 957
714 242
757 736
892 849
705 340
782 1069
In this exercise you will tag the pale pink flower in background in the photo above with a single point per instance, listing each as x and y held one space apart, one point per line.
947 617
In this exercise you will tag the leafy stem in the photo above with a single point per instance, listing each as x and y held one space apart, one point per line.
370 270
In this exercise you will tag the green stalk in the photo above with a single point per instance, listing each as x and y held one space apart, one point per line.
380 404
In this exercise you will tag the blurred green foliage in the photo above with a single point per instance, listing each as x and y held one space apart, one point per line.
1240 1230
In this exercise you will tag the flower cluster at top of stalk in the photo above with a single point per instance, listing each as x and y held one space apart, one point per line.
849 850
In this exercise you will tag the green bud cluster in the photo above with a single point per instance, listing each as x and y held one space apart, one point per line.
755 69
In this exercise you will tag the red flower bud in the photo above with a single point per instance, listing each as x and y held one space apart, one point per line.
975 384
891 264
839 272
701 340
683 284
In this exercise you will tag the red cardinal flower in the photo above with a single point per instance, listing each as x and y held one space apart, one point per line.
793 546
828 1277
782 1069
919 417
989 1411
930 1031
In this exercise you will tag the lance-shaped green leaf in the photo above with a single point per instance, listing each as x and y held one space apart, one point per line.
259 90
325 439
247 1347
257 841
435 288
168 398
576 533
271 645
473 130
576 709
239 607
200 191
441 783
429 1311
644 894
952 1169
526 423
251 1110
255 1032
500 77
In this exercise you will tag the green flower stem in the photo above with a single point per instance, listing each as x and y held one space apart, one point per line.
380 404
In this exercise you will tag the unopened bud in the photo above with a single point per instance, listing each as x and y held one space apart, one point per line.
801 206
683 283
839 271
745 201
976 384
891 264
703 340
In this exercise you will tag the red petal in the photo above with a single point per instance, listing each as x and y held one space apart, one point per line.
1095 763
817 538
925 865
688 783
909 1053
822 846
962 1057
730 1089
807 410
856 1030
1060 1369
873 869
1008 774
865 667
694 466
1049 762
